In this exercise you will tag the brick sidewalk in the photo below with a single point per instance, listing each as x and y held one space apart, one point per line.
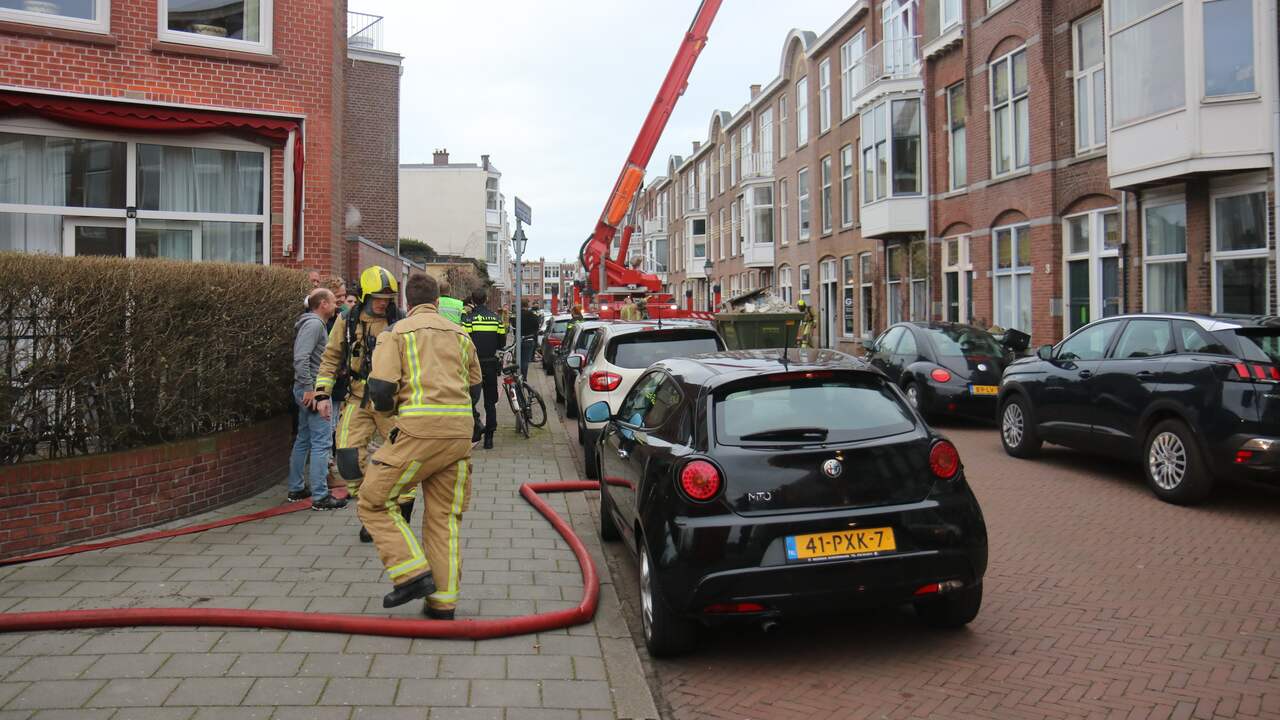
514 564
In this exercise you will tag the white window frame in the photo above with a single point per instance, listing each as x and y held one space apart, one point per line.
825 197
866 289
735 219
869 143
720 237
1253 44
782 126
892 286
850 61
735 158
1094 254
1112 30
804 221
993 4
1089 75
744 138
848 190
1149 260
848 294
101 22
954 182
261 47
1014 270
1011 104
802 112
824 96
963 268
806 283
952 13
703 196
784 284
913 312
1216 255
740 231
724 166
764 156
828 299
211 141
783 212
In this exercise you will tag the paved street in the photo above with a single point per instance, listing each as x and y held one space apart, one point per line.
1100 602
514 564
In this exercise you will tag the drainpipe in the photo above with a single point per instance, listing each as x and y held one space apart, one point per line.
1275 122
1124 256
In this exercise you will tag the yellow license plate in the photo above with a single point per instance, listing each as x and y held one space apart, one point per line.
984 389
842 544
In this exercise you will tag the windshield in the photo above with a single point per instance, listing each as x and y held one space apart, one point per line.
810 410
558 327
642 349
960 341
1260 345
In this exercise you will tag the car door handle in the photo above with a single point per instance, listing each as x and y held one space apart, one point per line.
1144 373
623 454
1086 373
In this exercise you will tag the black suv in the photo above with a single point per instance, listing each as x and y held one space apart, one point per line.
1195 397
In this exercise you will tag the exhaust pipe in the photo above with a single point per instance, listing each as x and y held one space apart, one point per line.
768 627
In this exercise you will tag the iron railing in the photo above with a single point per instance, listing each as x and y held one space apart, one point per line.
364 31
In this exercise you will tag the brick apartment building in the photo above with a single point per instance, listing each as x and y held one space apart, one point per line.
981 161
202 131
542 278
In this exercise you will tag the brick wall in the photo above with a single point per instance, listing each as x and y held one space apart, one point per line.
302 77
59 502
371 149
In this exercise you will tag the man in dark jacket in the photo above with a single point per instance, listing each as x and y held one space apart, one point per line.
529 322
489 334
315 433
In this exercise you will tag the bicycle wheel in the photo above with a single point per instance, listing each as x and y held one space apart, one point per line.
509 390
535 409
522 425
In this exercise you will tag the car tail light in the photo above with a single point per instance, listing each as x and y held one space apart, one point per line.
1243 457
605 381
700 480
554 341
940 375
944 460
810 375
1250 372
742 607
939 588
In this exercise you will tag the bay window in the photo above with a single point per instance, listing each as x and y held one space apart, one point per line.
243 25
957 157
866 280
1147 59
84 15
802 196
1241 257
1010 114
824 95
802 112
1090 83
1165 257
826 198
847 191
1012 252
762 215
894 256
1228 47
891 144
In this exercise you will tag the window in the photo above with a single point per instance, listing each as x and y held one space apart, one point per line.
1090 84
851 72
866 279
702 185
898 46
1091 247
891 146
762 215
848 288
764 163
950 13
1195 340
491 194
234 24
782 126
1088 344
894 256
1165 261
1012 251
784 284
993 4
1144 338
1010 119
84 15
491 247
957 280
825 198
802 195
824 95
1147 69
1241 281
736 151
722 239
804 281
745 138
783 208
802 112
875 154
724 167
919 280
847 196
734 219
746 416
957 114
1228 47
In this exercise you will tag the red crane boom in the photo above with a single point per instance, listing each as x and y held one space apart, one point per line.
595 251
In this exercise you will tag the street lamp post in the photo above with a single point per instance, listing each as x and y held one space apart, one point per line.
706 268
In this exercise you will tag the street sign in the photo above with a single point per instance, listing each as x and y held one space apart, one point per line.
523 213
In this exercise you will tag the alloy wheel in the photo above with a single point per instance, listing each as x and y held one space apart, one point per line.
646 595
1167 461
1011 425
913 396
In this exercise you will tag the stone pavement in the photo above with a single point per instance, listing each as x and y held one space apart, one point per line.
514 563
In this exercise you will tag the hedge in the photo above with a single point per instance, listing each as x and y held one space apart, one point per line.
107 354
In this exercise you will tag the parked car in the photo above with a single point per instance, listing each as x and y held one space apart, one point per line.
620 355
554 336
945 369
580 339
1193 397
750 489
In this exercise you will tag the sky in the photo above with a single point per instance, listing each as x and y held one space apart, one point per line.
554 91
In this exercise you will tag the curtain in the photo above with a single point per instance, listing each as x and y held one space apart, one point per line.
232 242
253 20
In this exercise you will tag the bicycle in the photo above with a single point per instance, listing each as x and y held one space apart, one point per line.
526 404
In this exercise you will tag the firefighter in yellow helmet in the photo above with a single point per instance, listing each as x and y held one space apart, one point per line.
804 334
350 347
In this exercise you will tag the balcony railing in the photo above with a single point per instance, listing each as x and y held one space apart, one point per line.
888 60
757 165
364 31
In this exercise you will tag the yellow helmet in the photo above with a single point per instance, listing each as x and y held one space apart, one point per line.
802 304
377 281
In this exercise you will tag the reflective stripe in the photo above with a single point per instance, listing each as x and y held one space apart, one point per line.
415 370
324 383
464 368
450 592
412 410
417 558
344 427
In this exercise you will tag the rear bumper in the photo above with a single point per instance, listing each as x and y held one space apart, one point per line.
1262 465
956 400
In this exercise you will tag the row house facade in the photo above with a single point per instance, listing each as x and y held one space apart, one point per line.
983 161
542 279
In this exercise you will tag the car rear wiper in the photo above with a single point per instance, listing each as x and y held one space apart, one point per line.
796 433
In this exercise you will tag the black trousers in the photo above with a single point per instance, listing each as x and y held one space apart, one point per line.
489 370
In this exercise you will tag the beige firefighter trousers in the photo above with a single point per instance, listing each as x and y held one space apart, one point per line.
443 468
356 429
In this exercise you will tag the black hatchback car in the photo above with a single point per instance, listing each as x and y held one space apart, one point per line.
1194 397
946 368
754 484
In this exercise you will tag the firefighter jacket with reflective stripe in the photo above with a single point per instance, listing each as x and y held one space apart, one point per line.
487 331
451 309
432 364
357 355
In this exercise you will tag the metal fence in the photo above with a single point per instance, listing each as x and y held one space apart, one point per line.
364 31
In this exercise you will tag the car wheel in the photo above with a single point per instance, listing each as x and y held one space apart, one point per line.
1172 465
608 528
570 404
1018 429
546 369
913 396
590 457
559 395
665 634
952 610
582 433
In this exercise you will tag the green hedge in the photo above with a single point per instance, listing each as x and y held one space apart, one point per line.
106 354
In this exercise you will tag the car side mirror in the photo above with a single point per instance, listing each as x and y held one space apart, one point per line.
597 412
870 347
574 361
1045 352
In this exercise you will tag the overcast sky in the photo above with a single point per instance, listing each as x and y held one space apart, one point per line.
554 91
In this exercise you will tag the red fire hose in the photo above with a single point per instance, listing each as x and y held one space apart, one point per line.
315 622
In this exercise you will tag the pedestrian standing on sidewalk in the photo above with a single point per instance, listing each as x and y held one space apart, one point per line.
424 369
529 322
489 334
450 308
315 433
338 287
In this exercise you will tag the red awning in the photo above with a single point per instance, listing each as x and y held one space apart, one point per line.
151 118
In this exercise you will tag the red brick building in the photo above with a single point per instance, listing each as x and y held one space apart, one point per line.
169 128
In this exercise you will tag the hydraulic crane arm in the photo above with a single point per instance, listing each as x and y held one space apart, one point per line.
595 251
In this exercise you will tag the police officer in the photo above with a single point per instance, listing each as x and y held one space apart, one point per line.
489 334
424 369
350 348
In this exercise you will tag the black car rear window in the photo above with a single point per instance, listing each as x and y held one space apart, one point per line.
849 408
964 341
1260 344
642 349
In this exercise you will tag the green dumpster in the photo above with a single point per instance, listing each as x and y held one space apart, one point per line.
754 331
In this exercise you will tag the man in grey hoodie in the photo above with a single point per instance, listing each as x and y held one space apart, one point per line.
315 433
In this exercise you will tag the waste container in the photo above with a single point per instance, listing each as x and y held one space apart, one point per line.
753 331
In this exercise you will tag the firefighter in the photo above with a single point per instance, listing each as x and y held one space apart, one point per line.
350 348
450 308
805 332
489 334
425 370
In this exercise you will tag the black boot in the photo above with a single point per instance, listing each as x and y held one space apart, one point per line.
365 537
435 614
488 441
419 587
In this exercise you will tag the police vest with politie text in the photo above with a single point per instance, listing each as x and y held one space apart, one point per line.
488 332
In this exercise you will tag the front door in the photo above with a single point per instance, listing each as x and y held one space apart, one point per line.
1091 248
93 236
827 303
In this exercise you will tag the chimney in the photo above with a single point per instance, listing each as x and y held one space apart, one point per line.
484 161
755 91
440 157
696 145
